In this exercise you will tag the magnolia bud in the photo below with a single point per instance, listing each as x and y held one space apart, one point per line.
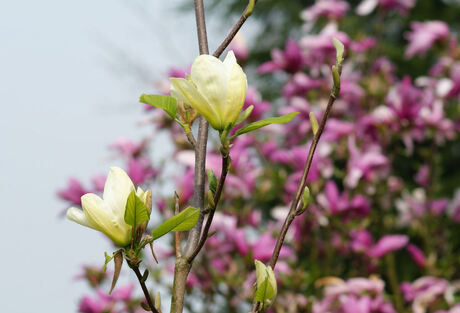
215 89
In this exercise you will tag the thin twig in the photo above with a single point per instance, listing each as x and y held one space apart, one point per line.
297 200
183 266
135 268
235 29
220 187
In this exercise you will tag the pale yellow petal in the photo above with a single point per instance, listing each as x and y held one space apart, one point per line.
188 91
210 76
104 220
236 93
117 188
78 216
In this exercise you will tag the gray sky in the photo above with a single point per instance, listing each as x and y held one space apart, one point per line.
65 94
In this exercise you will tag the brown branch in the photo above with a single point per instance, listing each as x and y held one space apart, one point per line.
234 30
177 234
212 210
184 263
135 268
294 209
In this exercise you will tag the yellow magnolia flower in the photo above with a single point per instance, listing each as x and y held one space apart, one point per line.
215 89
107 214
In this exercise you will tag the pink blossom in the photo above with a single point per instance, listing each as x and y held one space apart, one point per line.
262 249
364 163
387 244
423 176
423 292
330 9
260 107
361 240
417 255
319 48
290 60
73 191
299 84
140 170
128 148
424 35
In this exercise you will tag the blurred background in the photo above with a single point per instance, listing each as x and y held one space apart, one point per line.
70 78
71 74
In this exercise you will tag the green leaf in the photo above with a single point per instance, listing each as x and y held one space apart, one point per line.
166 103
314 123
212 181
272 120
136 212
336 78
339 48
185 220
108 258
305 200
244 115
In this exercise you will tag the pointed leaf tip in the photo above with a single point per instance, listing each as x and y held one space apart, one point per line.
314 123
118 262
339 48
166 103
272 120
183 221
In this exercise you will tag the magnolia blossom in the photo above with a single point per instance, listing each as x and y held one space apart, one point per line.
424 35
107 214
215 89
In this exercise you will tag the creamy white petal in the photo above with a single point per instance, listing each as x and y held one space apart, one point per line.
116 191
196 100
236 93
104 220
210 77
78 216
141 194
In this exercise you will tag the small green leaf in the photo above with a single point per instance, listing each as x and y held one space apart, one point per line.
185 220
145 276
272 120
339 48
314 123
145 306
166 103
305 200
108 258
244 115
136 212
336 78
212 181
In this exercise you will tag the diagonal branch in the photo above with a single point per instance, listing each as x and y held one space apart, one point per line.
297 203
220 187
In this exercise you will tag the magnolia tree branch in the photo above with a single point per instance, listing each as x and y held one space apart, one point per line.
212 210
195 240
235 28
135 268
296 204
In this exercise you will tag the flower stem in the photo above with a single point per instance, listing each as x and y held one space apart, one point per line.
135 268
